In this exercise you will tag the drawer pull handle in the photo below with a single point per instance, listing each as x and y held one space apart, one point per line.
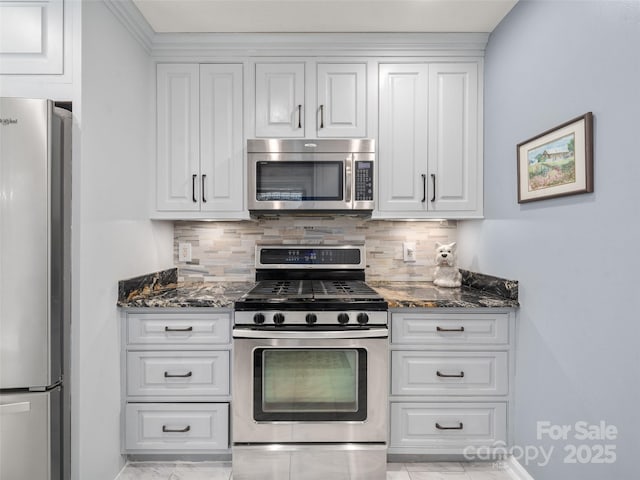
175 430
440 427
173 329
440 329
455 375
177 375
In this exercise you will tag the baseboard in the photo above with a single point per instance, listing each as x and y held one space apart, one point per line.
516 470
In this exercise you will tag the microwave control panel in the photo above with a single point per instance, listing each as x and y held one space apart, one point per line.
364 181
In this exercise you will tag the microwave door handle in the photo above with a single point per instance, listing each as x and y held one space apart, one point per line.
348 167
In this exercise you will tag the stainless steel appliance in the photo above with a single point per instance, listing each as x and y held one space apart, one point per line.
321 174
35 155
310 368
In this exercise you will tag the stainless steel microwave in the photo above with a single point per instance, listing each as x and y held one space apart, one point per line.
303 175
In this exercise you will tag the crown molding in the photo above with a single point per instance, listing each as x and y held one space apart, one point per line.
220 45
168 45
129 15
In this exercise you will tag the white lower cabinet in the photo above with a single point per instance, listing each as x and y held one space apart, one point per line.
448 425
177 427
175 375
449 373
451 387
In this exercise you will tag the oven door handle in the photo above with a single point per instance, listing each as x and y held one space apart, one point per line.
311 334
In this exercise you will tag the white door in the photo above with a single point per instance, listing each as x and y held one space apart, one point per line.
178 155
403 144
279 102
221 141
342 97
453 136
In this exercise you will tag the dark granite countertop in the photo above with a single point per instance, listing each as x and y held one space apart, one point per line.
161 289
427 295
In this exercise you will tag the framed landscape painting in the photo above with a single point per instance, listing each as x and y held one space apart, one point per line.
557 162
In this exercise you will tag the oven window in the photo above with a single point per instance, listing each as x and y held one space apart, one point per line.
310 384
300 181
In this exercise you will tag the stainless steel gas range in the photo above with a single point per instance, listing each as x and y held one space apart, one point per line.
310 368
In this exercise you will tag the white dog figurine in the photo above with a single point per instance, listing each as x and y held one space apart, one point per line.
446 273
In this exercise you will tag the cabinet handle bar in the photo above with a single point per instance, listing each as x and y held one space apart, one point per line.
204 200
445 375
177 375
174 329
440 427
440 329
165 429
433 194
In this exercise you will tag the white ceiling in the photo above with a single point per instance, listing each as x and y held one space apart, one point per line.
229 16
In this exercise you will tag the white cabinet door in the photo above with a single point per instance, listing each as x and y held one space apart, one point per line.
279 103
199 136
402 139
178 156
342 97
441 426
449 373
221 141
177 375
176 427
430 160
453 136
32 37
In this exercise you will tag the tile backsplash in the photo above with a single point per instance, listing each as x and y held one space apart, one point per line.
225 251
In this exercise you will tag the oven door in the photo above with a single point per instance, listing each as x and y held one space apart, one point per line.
300 181
310 386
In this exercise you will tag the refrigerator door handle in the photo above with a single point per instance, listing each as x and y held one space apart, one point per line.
10 408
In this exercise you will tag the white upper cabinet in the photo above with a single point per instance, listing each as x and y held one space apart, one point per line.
280 98
221 139
429 142
341 100
178 156
32 37
402 139
291 103
454 137
199 140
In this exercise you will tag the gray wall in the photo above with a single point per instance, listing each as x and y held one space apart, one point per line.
115 238
576 257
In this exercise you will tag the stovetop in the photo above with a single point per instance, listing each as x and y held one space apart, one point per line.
310 286
310 295
283 290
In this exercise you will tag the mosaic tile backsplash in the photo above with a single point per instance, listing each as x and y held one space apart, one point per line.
224 251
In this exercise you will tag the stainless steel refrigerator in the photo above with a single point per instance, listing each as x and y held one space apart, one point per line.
35 193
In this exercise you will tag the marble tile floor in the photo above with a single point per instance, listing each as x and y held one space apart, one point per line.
395 471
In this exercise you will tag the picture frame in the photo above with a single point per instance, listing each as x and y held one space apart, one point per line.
558 162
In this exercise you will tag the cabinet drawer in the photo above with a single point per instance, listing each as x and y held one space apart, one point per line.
449 373
443 425
177 374
178 329
177 427
449 328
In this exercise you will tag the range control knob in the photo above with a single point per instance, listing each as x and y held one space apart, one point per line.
343 318
278 319
311 318
363 318
258 318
